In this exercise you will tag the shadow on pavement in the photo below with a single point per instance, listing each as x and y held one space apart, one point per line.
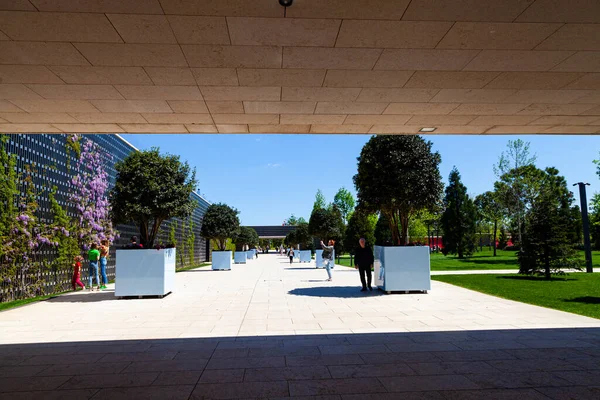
476 364
335 291
84 297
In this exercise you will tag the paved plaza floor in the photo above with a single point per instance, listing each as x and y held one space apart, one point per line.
269 329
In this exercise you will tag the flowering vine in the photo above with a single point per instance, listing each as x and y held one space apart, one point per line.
27 238
89 195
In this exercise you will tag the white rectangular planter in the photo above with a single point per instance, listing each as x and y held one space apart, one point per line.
250 255
305 256
144 272
319 259
402 268
221 260
239 257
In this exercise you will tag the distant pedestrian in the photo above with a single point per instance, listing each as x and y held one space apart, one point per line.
364 262
93 257
328 257
76 280
103 259
291 254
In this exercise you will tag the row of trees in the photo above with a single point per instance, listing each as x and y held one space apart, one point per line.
401 196
535 205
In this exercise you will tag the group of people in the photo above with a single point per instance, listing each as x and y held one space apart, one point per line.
97 256
364 260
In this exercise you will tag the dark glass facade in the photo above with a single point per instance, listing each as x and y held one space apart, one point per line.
49 159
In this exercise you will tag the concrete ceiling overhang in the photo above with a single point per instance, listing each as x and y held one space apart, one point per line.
319 66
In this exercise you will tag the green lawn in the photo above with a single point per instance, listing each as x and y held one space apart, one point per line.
480 260
577 293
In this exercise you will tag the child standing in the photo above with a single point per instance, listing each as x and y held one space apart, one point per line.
76 280
103 256
94 256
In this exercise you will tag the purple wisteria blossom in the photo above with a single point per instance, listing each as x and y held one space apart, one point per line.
89 195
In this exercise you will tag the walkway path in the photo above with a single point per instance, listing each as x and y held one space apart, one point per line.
271 330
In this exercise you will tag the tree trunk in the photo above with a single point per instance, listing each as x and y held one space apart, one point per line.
546 263
495 229
404 226
393 224
144 233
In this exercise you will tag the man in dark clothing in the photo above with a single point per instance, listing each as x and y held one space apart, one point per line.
364 262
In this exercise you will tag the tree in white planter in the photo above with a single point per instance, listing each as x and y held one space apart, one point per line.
151 188
220 223
246 237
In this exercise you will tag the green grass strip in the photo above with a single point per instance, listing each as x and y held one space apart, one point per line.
577 293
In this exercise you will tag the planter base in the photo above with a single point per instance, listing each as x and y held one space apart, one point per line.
143 297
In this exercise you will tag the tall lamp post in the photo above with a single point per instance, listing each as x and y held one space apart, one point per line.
586 226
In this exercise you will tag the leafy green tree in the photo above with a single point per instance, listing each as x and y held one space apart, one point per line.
398 176
359 226
301 220
417 229
575 227
383 235
503 239
303 237
326 224
517 180
151 188
246 237
515 191
291 239
345 203
292 220
491 210
546 246
458 219
319 200
220 223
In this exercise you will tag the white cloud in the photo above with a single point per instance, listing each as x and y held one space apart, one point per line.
273 165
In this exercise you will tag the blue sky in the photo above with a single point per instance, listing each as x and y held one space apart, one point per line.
269 177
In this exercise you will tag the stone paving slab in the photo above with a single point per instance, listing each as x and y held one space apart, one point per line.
268 330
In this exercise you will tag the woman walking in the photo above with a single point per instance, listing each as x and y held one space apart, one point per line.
103 255
328 257
291 254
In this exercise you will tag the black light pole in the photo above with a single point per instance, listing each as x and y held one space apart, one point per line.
586 227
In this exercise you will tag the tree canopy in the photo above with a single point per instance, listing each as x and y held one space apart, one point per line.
327 224
344 201
490 209
319 200
360 225
220 222
546 246
459 218
151 188
398 176
246 236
